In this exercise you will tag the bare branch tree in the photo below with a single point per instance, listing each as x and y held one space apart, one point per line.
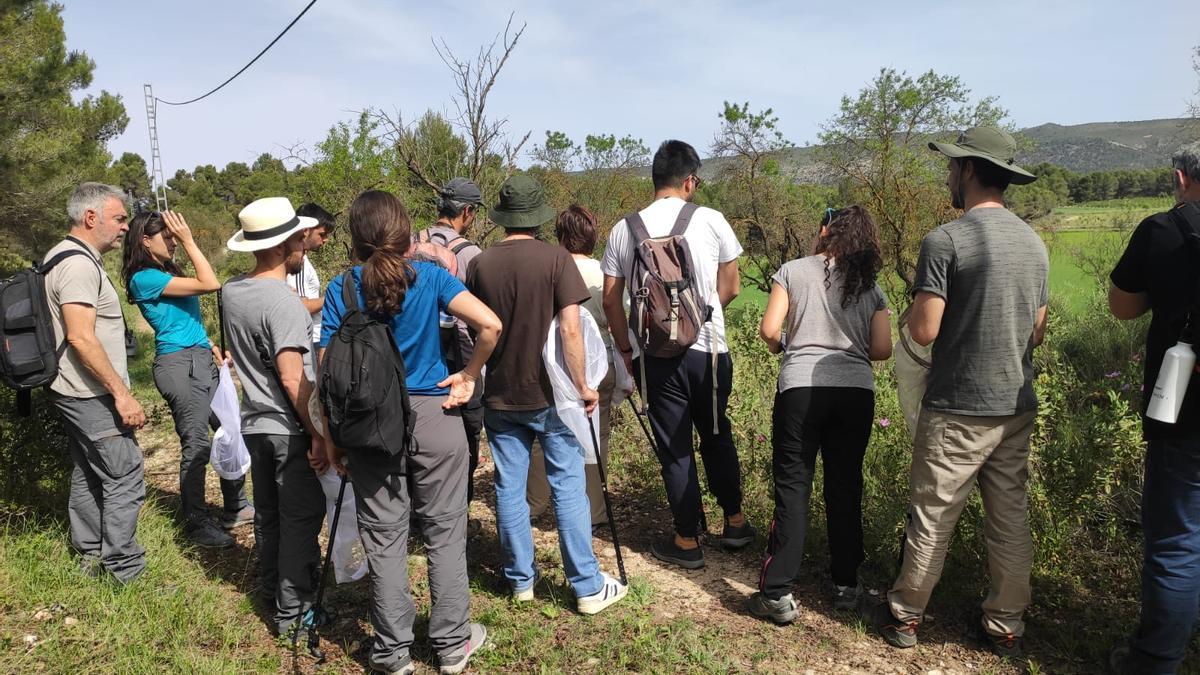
473 82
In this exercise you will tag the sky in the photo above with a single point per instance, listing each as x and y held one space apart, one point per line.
646 68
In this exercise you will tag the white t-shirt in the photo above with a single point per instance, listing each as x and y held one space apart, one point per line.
711 241
309 285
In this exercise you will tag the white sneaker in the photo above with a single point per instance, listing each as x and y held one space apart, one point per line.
526 594
609 593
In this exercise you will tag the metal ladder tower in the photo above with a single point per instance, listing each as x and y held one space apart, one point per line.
156 172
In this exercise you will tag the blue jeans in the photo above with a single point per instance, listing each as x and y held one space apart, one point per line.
511 436
1171 568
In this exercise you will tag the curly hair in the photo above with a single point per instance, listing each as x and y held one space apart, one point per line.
135 257
380 235
852 240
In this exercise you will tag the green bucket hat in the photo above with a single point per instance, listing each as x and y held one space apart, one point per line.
995 145
522 205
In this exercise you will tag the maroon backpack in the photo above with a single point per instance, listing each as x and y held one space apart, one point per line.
667 308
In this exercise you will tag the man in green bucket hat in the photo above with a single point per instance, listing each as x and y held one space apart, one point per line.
528 283
981 290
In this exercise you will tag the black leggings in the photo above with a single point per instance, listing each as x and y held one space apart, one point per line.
837 422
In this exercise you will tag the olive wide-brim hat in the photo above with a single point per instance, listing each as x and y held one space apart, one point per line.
522 205
990 143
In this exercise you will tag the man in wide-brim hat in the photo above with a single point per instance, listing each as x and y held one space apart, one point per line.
528 283
981 290
270 337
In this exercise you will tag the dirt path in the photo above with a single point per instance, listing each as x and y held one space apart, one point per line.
821 641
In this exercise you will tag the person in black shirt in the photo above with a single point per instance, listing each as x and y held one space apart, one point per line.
1158 273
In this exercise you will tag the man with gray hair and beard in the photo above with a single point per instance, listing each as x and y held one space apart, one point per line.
1160 273
91 391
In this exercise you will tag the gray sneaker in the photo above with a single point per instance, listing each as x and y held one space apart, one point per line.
456 661
845 598
231 520
780 611
206 534
404 667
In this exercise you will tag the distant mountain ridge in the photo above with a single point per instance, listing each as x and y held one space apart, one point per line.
1096 146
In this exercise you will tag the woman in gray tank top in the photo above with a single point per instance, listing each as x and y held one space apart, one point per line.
829 318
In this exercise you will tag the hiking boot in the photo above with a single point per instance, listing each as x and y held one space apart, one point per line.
404 667
733 538
780 611
231 520
1005 646
845 598
206 534
612 591
89 566
667 551
456 661
895 632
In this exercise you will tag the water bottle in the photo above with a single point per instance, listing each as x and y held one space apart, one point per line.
1172 384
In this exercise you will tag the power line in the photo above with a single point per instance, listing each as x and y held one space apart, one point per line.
234 76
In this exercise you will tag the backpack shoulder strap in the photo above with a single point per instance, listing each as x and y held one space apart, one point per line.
465 243
637 228
349 293
684 219
45 267
1186 217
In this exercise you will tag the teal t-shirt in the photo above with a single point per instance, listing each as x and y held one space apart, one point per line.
176 321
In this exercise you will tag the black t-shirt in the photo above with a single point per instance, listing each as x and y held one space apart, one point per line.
1158 263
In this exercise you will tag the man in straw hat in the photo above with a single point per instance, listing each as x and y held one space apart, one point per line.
527 283
981 291
270 338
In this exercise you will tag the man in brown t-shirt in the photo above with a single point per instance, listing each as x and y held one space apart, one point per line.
528 284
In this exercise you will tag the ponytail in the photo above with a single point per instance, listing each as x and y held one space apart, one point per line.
380 234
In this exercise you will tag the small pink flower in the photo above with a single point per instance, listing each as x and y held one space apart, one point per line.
1113 375
760 438
889 311
885 422
1125 387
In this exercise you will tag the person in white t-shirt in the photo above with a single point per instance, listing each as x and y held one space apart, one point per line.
680 391
307 283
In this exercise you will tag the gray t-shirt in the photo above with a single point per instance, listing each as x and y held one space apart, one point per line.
79 280
827 345
991 268
269 308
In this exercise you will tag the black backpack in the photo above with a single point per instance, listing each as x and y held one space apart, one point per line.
363 384
29 351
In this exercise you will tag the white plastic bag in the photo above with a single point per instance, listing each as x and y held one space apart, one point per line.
566 398
912 375
229 456
349 559
623 382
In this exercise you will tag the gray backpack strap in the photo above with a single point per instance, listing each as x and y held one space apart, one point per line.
685 217
637 228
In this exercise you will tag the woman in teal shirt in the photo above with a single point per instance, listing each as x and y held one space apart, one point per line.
185 361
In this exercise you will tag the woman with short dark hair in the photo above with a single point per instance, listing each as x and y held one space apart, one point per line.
836 323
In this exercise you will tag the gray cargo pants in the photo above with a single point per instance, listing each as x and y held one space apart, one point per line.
433 483
107 485
187 380
289 509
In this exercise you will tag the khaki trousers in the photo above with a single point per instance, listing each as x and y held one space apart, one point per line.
950 454
537 490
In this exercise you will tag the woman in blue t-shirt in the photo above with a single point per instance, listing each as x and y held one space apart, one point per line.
828 317
432 482
185 360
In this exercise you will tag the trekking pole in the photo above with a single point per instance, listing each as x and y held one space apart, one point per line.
612 523
654 446
313 614
221 321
